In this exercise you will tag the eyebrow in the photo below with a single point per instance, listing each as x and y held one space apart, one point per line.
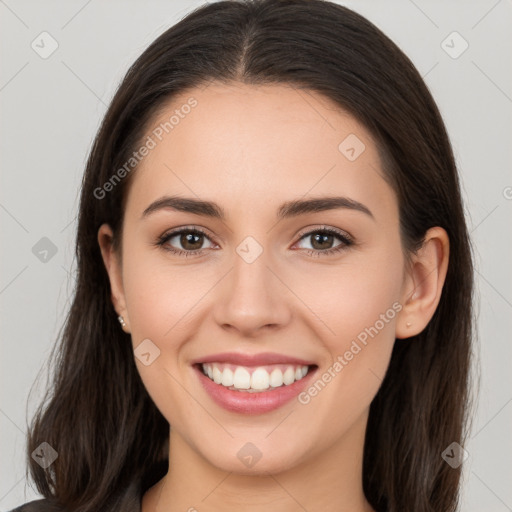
287 210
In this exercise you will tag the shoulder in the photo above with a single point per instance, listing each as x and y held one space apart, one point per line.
43 505
129 498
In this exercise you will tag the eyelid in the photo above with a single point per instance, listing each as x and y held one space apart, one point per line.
186 227
324 227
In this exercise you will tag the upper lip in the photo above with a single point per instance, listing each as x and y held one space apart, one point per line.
264 358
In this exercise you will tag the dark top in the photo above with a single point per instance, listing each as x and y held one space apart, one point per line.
130 501
38 506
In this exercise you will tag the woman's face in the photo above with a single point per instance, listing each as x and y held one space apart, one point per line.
264 279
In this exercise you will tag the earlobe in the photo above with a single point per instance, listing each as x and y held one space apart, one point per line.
424 282
113 267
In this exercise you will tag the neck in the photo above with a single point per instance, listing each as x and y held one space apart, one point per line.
329 481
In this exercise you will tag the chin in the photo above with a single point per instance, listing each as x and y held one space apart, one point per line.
252 458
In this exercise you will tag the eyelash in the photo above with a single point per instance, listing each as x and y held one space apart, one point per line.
347 241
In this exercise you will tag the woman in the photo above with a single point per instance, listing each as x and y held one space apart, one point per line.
210 359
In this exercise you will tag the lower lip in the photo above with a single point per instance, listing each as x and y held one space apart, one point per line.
253 403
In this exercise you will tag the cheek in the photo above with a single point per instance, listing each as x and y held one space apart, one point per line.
160 300
368 301
160 296
359 305
354 296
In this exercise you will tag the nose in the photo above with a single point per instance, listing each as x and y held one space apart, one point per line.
253 296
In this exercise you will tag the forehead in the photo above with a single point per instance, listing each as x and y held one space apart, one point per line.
248 146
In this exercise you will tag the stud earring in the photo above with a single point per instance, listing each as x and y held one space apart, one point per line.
121 321
408 324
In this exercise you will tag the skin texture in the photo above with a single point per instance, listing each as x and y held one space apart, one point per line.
251 148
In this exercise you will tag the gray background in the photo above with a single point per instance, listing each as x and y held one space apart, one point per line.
51 109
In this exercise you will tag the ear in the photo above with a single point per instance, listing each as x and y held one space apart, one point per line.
423 284
112 264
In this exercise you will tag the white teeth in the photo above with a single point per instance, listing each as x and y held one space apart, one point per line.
227 378
289 376
217 375
276 378
240 377
260 379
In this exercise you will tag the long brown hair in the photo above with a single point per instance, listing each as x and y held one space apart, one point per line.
97 415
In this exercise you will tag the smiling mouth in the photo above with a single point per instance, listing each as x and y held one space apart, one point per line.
255 379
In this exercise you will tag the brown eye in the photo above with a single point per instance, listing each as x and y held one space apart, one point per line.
184 241
190 240
322 241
